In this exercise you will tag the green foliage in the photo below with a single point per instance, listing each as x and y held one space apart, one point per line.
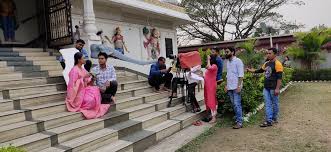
249 55
307 49
251 93
203 55
11 149
308 75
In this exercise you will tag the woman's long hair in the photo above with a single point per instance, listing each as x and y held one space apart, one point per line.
77 57
213 59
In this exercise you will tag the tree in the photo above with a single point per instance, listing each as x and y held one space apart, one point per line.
250 57
239 18
307 49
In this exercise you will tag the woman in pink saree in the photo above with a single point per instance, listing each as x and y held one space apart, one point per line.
82 96
210 87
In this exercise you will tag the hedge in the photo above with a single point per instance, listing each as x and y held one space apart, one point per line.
309 75
251 93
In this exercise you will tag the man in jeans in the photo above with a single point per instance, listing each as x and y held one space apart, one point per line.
273 70
105 76
219 63
234 83
159 74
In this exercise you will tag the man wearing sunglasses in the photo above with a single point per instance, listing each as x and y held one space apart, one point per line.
273 70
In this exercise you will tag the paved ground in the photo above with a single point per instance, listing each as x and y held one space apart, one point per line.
305 125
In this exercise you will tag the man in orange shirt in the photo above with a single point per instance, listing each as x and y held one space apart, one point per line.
273 70
7 13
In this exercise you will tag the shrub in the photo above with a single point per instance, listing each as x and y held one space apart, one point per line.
203 55
251 94
11 149
308 75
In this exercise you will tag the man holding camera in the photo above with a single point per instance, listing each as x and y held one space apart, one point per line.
159 74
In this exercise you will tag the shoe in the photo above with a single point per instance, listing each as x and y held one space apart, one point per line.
266 124
237 126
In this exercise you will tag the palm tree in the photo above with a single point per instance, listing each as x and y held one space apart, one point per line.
307 49
250 57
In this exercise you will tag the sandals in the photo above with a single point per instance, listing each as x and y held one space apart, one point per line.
197 123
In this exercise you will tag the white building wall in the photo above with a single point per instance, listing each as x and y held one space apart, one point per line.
109 17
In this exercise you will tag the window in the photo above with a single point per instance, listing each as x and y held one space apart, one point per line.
169 47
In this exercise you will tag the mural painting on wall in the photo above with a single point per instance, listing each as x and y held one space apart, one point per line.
118 40
110 51
151 43
8 19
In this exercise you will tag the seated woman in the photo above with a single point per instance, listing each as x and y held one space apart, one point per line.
82 96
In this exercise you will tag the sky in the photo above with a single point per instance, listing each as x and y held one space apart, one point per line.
313 13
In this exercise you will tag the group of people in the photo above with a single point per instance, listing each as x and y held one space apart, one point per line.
90 91
235 70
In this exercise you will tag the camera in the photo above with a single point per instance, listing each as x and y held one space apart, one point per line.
176 60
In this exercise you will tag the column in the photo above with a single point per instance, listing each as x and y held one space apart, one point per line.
89 27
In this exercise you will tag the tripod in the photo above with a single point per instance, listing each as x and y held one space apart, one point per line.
180 79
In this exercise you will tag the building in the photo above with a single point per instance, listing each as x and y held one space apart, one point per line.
51 23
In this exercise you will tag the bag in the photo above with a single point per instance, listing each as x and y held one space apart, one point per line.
189 60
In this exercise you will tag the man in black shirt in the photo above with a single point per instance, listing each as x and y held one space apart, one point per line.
273 70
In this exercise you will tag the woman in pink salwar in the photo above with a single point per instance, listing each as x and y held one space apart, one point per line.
82 96
210 87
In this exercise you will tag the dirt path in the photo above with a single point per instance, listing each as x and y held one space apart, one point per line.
304 125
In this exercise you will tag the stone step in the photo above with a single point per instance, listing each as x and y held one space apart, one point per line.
3 64
19 63
52 62
141 140
28 49
31 143
30 81
45 58
31 90
39 111
11 76
134 84
165 129
27 68
174 111
18 130
88 142
35 74
34 54
13 58
6 70
134 101
133 92
187 118
44 140
152 119
139 110
6 105
39 99
55 73
60 119
12 116
127 78
51 67
117 146
9 54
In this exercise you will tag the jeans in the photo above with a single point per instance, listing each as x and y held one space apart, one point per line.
156 81
236 102
109 92
271 104
121 50
8 27
97 48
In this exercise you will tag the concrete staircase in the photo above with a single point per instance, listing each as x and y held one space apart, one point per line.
33 115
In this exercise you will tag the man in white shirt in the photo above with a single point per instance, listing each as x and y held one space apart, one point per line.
234 83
